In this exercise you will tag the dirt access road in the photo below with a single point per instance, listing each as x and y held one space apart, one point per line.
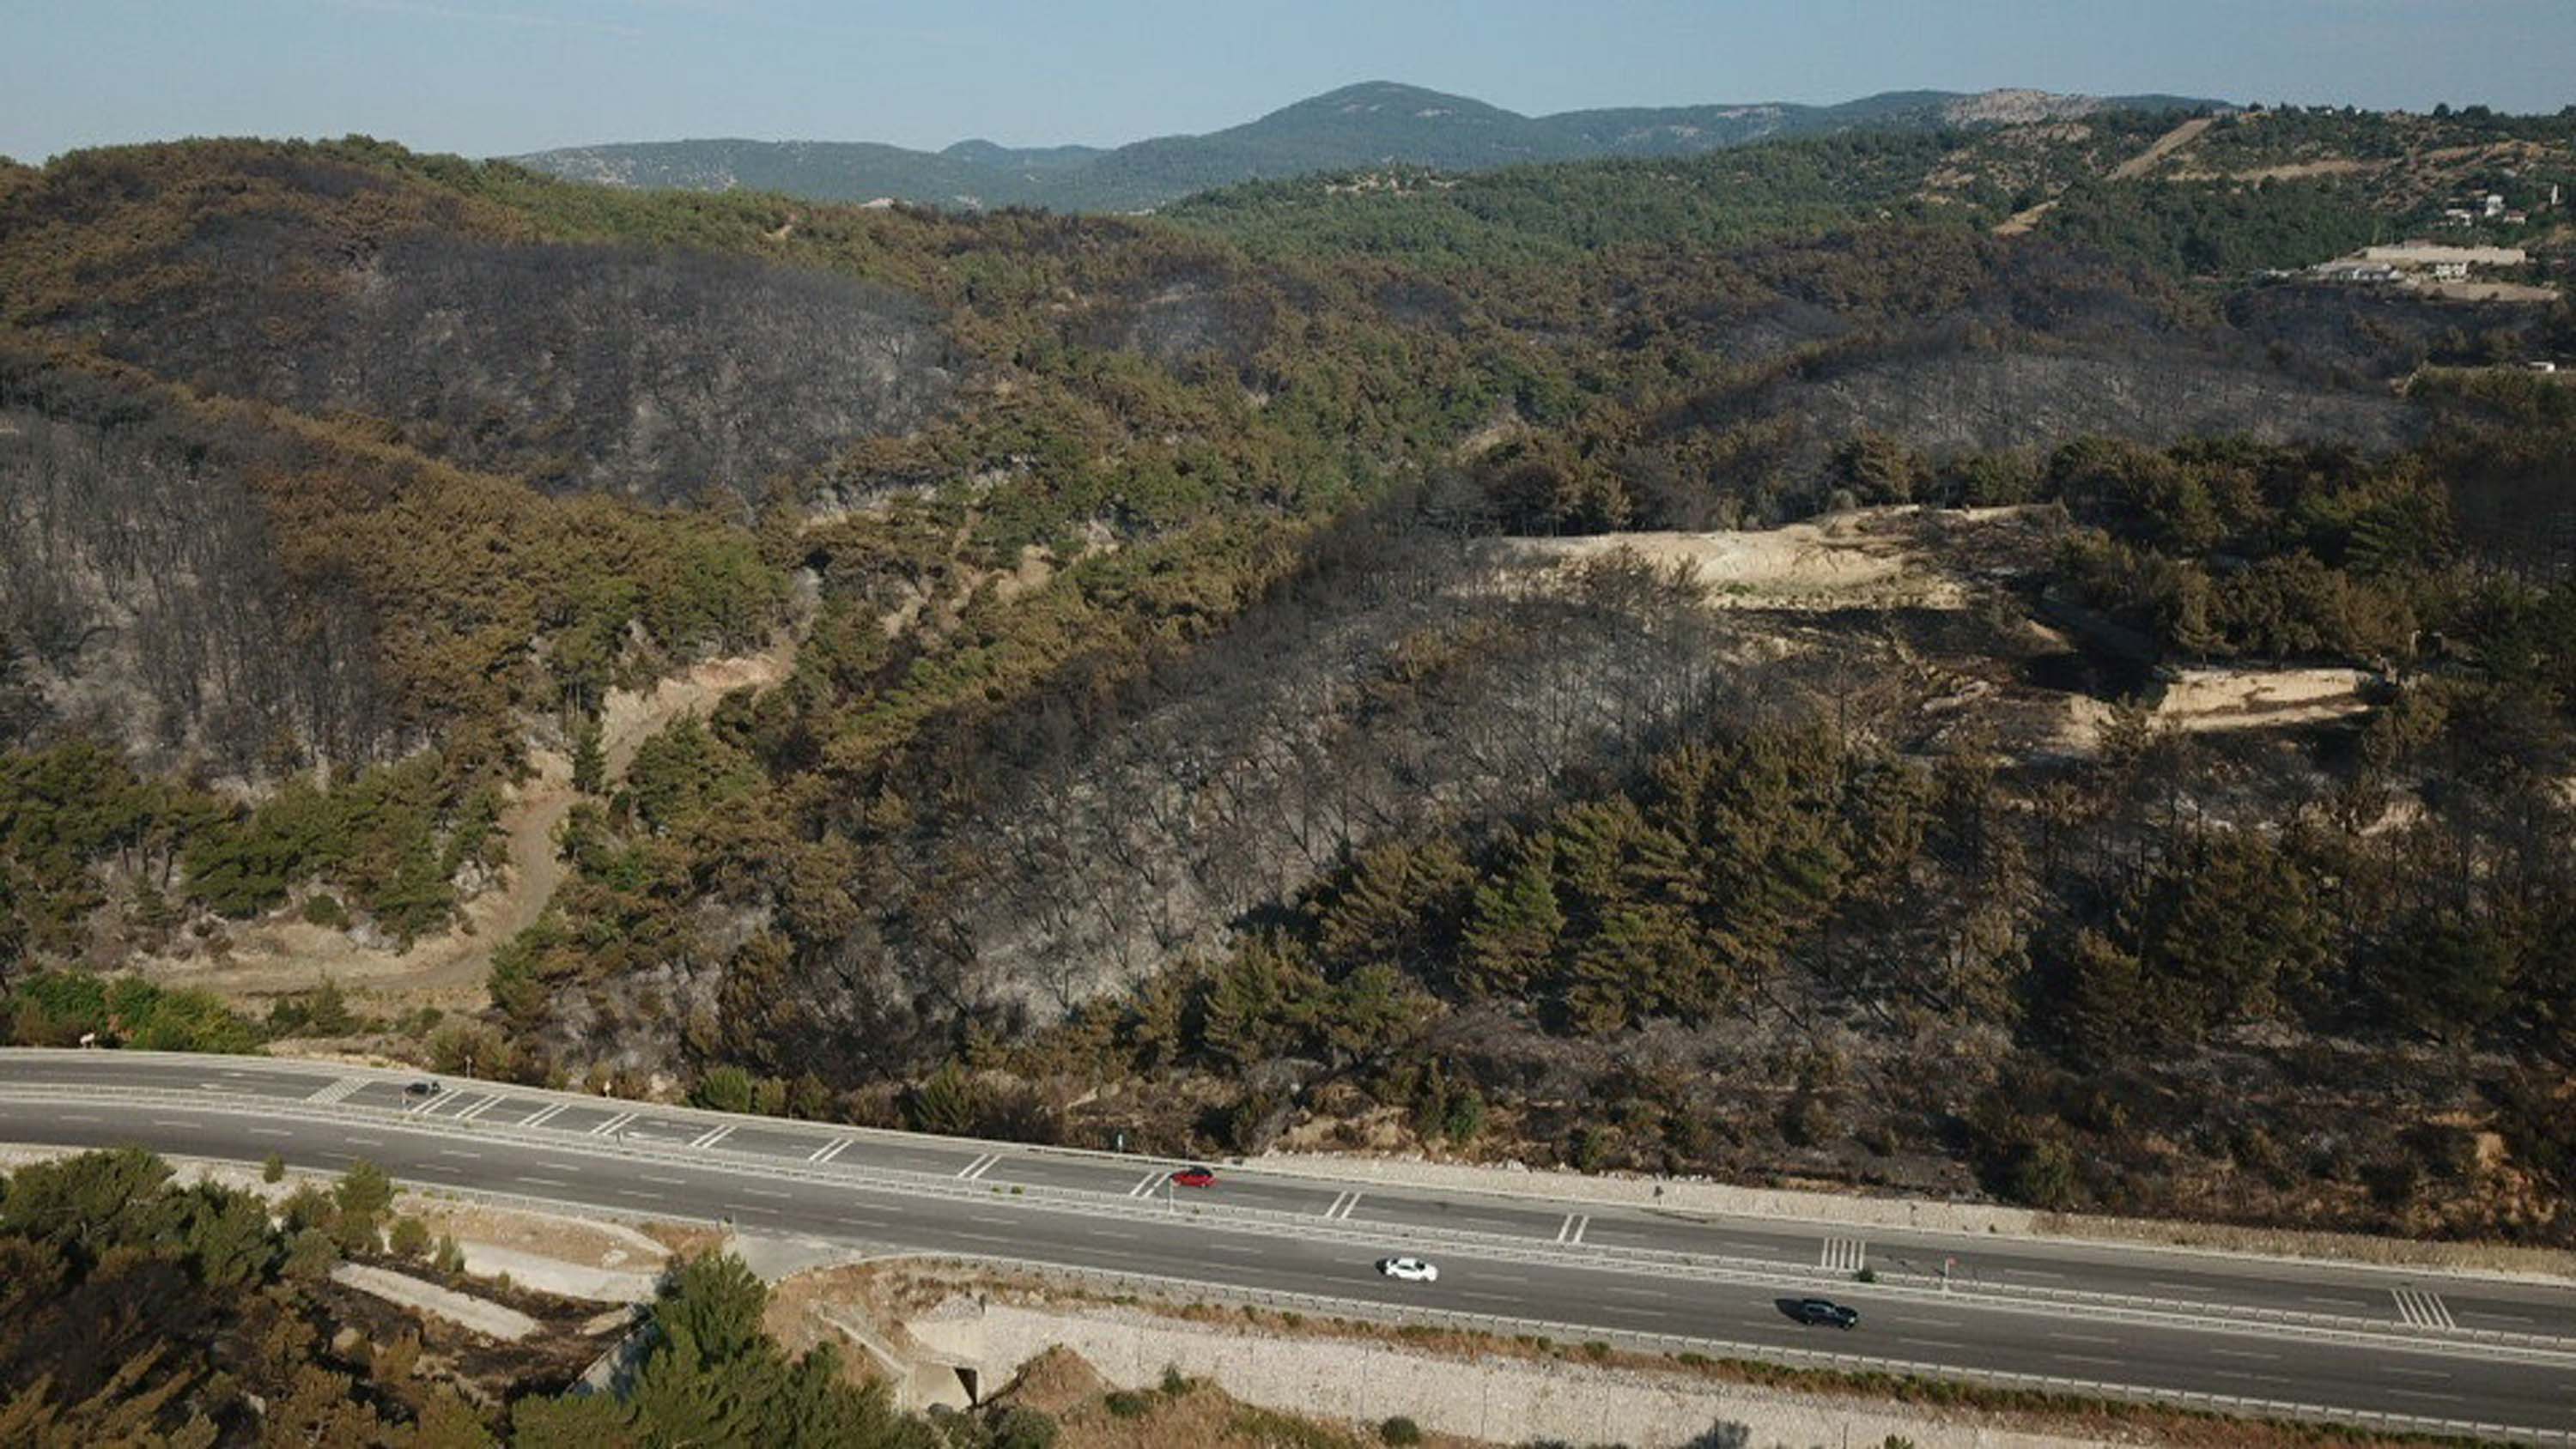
283 955
2129 170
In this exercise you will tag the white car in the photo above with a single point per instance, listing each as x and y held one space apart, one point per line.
1409 1270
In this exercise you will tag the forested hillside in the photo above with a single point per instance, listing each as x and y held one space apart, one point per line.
1725 664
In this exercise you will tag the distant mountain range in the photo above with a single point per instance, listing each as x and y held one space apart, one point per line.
1373 123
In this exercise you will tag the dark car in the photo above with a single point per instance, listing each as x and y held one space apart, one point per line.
1194 1177
1824 1311
421 1089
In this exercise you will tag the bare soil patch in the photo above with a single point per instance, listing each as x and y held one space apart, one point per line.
282 955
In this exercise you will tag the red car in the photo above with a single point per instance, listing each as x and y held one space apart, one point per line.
1194 1177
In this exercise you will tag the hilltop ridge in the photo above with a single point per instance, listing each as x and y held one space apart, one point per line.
1364 124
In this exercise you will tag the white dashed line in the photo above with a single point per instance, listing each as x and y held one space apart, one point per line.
665 1181
763 1192
1635 1292
457 1152
268 1132
2249 1378
161 1122
2415 1373
69 1118
647 1196
2030 1273
2426 1394
2082 1338
2244 1353
543 1181
1925 1322
2086 1358
365 1141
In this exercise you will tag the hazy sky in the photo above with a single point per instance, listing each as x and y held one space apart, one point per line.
488 77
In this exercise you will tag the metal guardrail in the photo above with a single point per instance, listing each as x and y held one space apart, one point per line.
1500 1325
1269 1222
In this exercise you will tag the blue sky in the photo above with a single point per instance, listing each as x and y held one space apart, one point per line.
489 77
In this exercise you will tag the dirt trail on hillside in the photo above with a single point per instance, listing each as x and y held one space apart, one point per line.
275 957
2205 700
2130 170
1871 558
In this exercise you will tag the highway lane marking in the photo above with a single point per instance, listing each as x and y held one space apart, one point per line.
712 1136
830 1150
437 1106
165 1122
337 1091
457 1152
1628 1292
613 1125
985 1238
2426 1394
2172 1287
546 1115
1572 1232
2087 1358
983 1218
2472 1312
1342 1206
979 1166
2249 1378
1932 1342
764 1192
1492 1297
2337 1302
2244 1353
268 1132
1843 1255
1492 1277
67 1117
2083 1338
665 1181
543 1181
1113 1233
647 1196
2422 1309
1926 1322
1237 1249
1152 1181
559 1167
365 1141
2029 1273
2416 1373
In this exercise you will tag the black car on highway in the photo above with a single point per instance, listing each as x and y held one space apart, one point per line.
1823 1311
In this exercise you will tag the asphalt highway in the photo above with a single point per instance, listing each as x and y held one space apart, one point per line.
2420 1346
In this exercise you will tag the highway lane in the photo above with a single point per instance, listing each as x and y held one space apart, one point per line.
1149 1237
2432 1304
